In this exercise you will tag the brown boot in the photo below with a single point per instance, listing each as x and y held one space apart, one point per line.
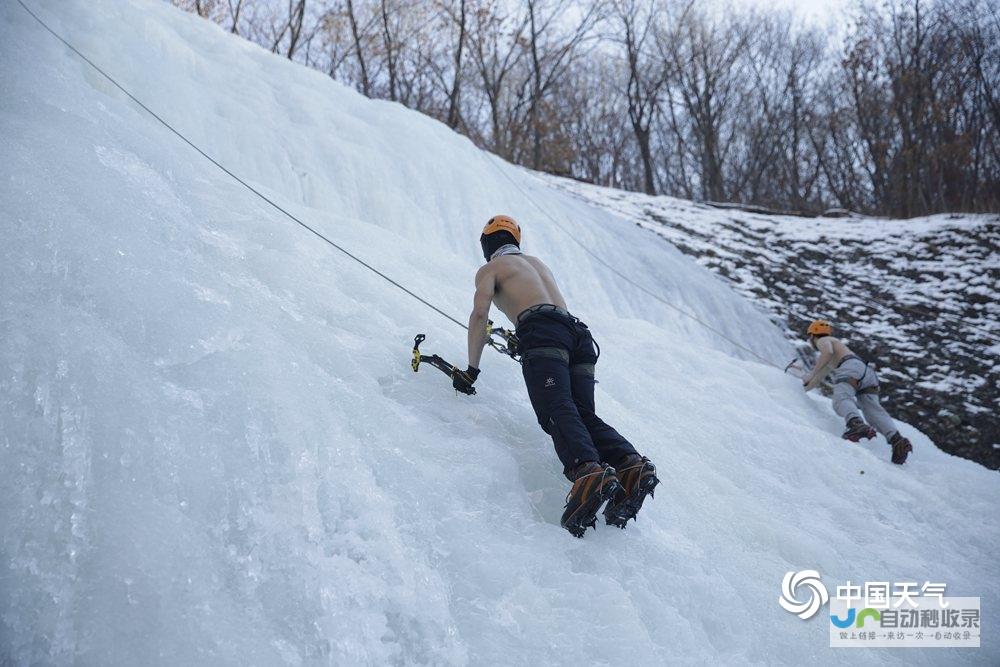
638 478
901 448
857 429
593 484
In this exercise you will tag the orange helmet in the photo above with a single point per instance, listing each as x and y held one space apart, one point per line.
820 328
497 224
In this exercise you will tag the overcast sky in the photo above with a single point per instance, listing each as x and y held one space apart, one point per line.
819 12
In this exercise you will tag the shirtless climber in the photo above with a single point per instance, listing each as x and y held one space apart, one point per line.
558 357
855 390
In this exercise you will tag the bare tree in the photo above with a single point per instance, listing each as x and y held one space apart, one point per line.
496 49
234 13
296 15
656 96
460 19
706 63
359 51
288 24
388 42
552 50
646 76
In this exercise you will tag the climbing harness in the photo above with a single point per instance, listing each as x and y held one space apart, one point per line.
856 384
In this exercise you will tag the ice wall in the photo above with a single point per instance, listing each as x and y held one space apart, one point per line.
214 451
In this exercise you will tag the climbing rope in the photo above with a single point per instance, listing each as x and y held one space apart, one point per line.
237 178
354 257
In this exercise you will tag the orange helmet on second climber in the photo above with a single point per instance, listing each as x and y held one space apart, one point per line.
501 230
820 328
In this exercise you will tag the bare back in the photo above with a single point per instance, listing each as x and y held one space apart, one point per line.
840 350
520 282
831 352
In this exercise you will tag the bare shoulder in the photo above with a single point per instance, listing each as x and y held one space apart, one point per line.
840 347
836 342
537 263
826 343
485 272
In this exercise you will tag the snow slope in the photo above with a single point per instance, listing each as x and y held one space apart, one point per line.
919 296
214 451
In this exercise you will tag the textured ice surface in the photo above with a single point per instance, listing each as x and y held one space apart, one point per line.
916 296
213 451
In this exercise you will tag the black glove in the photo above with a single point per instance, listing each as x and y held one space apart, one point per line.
463 380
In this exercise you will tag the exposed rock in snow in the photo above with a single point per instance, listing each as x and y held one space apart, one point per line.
919 298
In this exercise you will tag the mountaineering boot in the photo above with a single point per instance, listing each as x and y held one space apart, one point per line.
901 448
593 483
857 429
638 478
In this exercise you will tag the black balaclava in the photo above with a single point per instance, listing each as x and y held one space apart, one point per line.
495 241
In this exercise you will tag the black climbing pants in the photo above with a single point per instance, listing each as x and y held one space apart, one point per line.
558 359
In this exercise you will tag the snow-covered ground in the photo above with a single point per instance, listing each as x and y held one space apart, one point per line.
919 297
213 451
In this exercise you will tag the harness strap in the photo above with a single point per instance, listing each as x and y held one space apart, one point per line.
849 358
857 386
543 308
857 383
546 353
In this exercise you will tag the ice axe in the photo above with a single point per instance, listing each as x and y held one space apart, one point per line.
799 370
434 360
508 347
825 385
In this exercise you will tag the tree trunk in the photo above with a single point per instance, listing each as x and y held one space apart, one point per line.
295 28
456 87
365 83
235 13
536 92
390 55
